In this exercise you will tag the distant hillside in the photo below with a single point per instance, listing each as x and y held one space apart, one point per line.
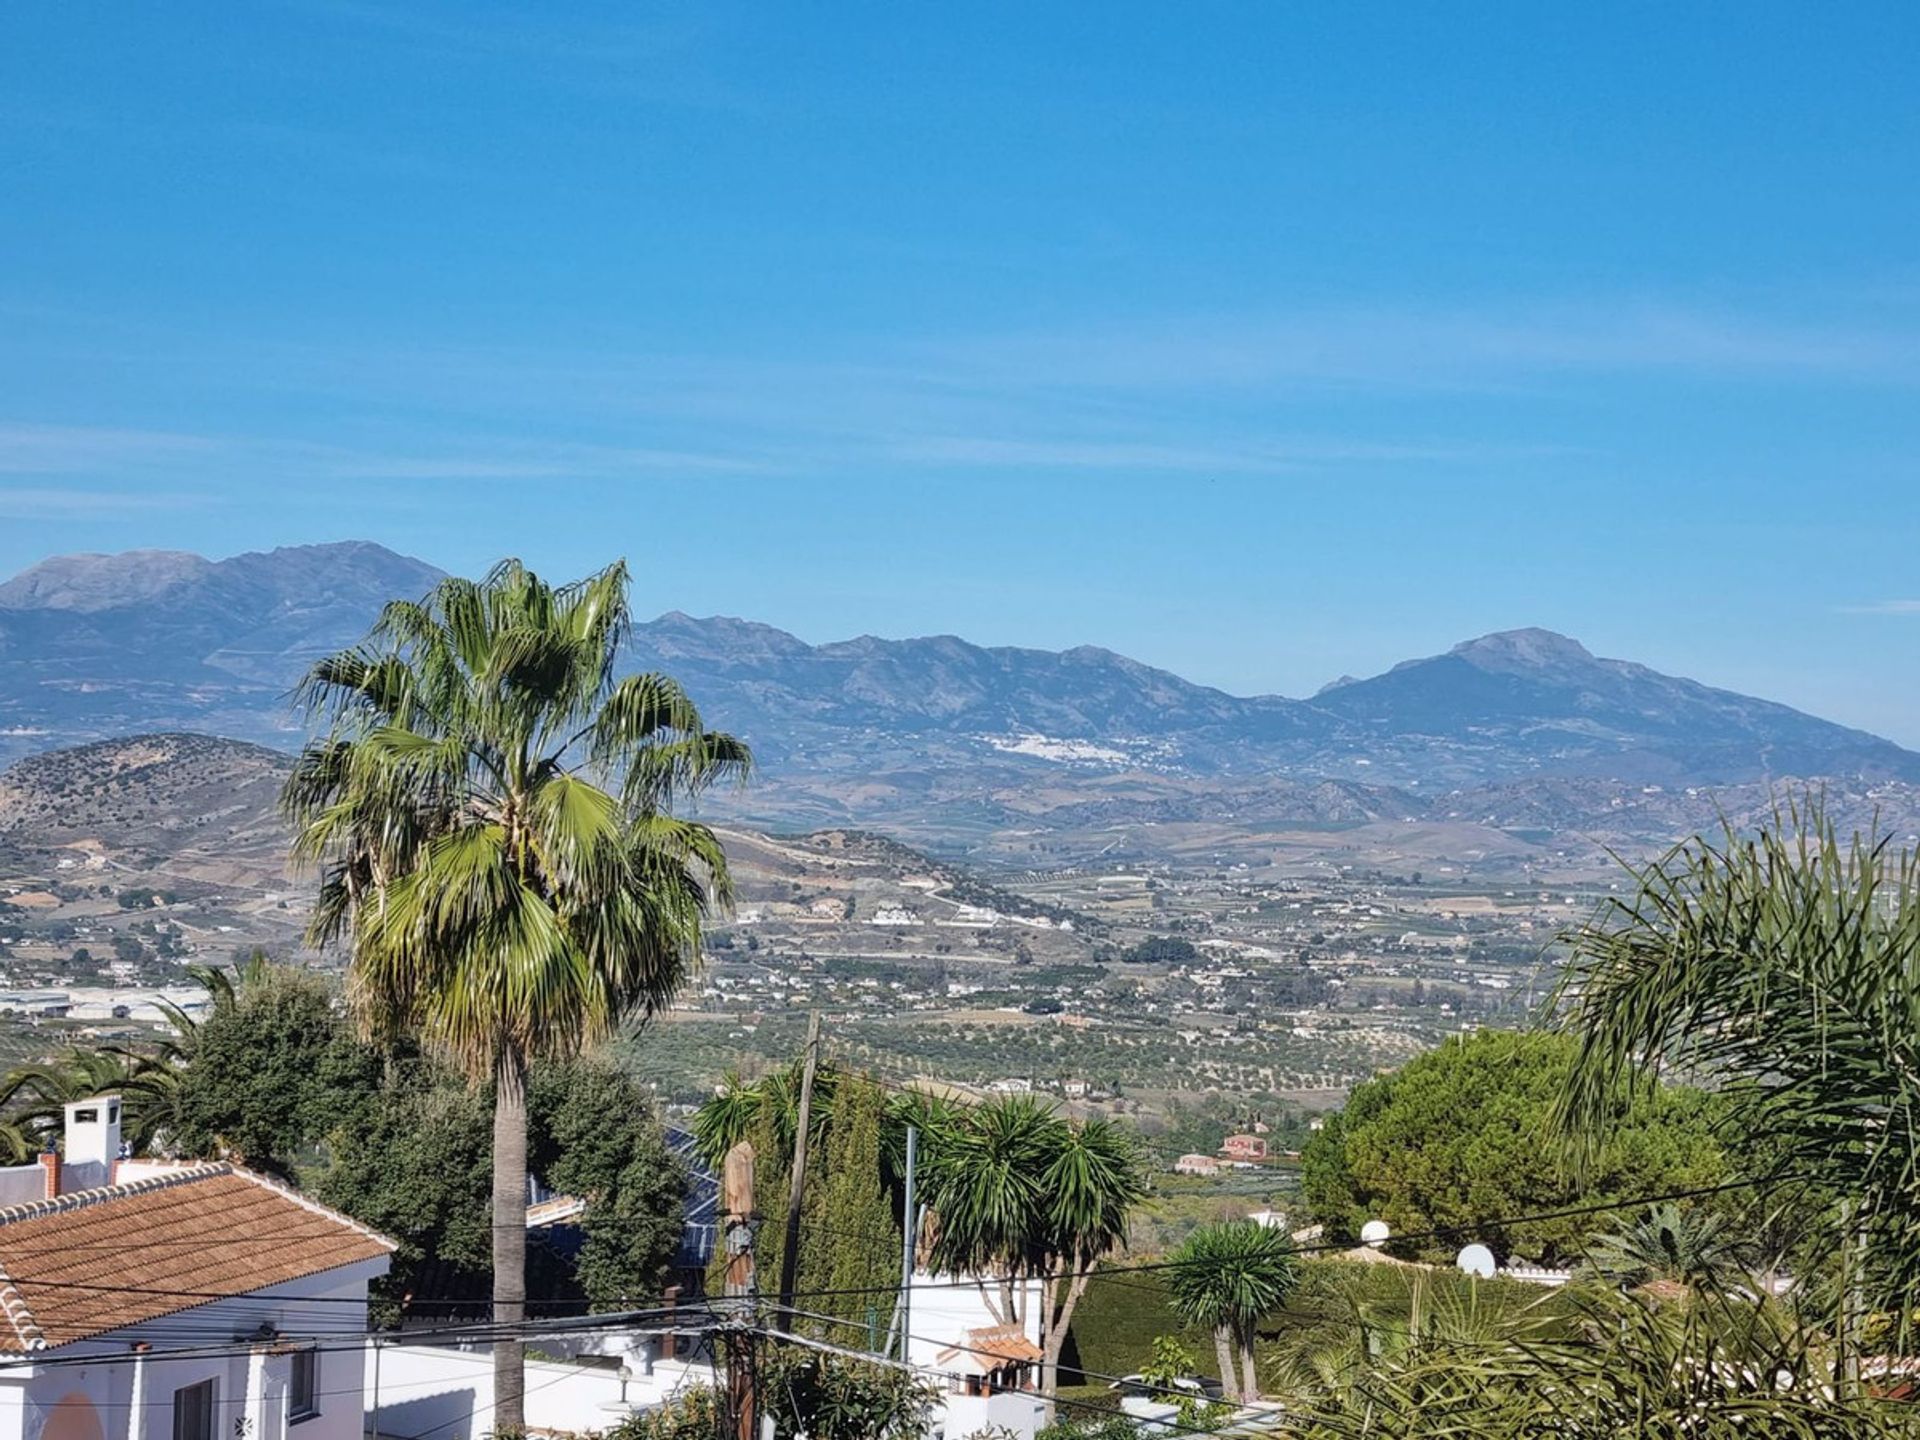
194 804
152 794
956 735
101 645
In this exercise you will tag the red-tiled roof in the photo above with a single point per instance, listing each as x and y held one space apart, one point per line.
991 1347
97 1260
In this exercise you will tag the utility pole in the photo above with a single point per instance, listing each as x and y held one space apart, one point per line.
909 1242
790 1253
740 1303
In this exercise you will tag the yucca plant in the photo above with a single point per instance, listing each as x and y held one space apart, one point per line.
492 811
1783 969
1227 1277
1723 1368
1020 1192
1681 1244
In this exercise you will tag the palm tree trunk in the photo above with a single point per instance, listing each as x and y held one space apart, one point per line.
1249 1370
509 1238
1059 1317
1223 1352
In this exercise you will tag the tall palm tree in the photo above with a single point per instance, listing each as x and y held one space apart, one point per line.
1226 1277
1785 968
492 811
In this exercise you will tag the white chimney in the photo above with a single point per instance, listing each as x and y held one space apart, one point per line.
92 1143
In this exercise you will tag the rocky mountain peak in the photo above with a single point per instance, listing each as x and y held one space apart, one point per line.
1528 649
92 582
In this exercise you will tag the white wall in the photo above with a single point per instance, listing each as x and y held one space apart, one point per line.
960 1416
943 1311
448 1390
251 1386
22 1184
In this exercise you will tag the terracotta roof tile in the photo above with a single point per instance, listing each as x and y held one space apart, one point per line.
98 1260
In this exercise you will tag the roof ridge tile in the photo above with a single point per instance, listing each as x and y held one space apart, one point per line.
19 1314
101 1194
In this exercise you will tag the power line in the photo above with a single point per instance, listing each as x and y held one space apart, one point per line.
1144 1267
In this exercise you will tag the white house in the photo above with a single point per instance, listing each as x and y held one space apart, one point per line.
148 1301
985 1369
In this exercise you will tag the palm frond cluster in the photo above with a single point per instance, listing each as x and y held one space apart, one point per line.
1783 970
34 1097
490 809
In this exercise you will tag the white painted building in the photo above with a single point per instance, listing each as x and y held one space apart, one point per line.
446 1391
147 1301
959 1338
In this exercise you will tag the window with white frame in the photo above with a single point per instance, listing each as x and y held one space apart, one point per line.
193 1411
303 1388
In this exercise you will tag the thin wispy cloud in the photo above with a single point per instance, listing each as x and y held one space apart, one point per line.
1491 347
1276 458
35 449
1883 607
51 503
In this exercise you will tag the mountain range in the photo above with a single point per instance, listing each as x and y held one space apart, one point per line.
93 646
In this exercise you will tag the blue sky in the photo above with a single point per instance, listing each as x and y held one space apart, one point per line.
1260 342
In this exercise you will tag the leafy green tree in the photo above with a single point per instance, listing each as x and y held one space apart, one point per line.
1170 1364
1161 950
414 1160
828 1397
805 1393
1227 1277
1461 1140
1787 967
596 1136
492 809
270 1067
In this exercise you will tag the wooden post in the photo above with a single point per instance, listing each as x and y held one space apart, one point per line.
737 1197
669 1341
796 1191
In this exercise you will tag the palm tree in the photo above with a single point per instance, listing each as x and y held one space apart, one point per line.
1226 1277
34 1097
981 1177
1394 1319
1093 1180
1668 1242
1730 1368
1785 967
1019 1194
492 811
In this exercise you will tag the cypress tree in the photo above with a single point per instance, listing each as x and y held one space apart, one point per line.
853 1254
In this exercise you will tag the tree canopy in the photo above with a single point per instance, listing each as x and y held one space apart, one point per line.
1461 1139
